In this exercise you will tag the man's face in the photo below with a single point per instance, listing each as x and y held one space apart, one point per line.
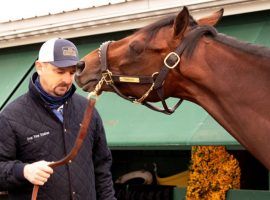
54 80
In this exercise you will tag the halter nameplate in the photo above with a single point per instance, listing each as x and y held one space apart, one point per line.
129 79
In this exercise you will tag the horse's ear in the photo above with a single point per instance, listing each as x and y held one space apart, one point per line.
211 20
181 22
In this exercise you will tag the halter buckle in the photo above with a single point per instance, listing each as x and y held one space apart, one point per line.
107 77
168 63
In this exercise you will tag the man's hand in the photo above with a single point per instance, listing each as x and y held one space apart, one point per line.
37 172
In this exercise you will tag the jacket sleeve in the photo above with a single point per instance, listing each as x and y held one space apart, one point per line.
102 163
11 170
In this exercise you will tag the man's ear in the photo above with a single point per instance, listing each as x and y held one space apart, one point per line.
39 67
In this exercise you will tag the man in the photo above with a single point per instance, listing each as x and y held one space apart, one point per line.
41 127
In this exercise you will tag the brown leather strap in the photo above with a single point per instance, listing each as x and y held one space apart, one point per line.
77 145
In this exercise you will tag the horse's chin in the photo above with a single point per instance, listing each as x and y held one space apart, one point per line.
89 86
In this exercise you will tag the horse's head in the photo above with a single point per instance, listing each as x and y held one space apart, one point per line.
229 79
135 62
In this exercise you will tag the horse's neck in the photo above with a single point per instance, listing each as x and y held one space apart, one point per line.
235 78
234 88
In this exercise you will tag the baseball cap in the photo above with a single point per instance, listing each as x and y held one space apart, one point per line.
59 52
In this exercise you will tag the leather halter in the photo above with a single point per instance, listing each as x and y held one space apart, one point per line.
78 142
157 79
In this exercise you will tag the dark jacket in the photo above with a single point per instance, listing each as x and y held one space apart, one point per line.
30 132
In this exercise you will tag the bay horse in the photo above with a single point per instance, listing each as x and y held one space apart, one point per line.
188 59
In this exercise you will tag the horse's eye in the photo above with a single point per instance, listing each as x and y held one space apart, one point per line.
136 47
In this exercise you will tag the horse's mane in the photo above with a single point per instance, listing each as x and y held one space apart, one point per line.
153 28
254 49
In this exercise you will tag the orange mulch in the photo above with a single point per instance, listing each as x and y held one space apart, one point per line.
213 172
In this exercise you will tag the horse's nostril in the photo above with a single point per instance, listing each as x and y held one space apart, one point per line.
80 66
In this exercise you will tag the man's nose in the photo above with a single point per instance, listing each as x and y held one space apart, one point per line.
68 78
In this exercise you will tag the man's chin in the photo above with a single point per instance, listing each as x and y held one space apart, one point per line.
60 93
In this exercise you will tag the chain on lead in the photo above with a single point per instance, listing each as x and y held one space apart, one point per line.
94 93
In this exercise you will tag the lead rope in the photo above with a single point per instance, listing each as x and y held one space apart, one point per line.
78 142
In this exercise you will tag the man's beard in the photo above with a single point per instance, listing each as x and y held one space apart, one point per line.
62 85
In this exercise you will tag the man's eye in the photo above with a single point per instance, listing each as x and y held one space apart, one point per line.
60 72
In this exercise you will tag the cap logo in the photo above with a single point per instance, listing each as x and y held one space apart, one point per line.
69 51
